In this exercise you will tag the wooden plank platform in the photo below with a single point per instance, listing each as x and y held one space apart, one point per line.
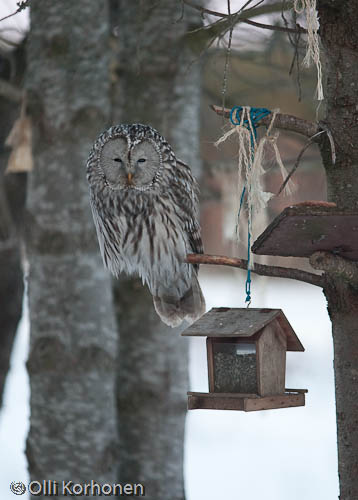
245 402
302 229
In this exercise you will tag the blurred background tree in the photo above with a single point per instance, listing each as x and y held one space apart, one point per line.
73 338
12 200
153 82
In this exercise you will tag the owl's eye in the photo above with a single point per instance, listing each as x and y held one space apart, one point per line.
142 160
118 160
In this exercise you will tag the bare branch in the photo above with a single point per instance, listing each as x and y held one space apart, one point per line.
282 121
9 91
20 6
242 13
241 16
203 10
272 27
297 162
260 269
337 265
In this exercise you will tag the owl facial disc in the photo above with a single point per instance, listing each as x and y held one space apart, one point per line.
130 165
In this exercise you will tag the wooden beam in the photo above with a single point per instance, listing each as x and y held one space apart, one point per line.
243 402
306 228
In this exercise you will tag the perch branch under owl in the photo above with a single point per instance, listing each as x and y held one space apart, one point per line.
282 121
260 269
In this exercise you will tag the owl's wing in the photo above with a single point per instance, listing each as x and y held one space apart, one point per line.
187 199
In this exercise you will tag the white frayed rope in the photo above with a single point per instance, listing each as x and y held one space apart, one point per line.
250 164
312 52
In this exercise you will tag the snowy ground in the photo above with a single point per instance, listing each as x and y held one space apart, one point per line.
287 454
14 417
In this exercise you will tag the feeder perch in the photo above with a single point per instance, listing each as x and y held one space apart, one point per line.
305 228
246 351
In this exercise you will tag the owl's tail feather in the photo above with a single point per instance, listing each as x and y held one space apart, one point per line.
189 307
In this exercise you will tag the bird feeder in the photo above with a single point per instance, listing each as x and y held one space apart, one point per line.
246 351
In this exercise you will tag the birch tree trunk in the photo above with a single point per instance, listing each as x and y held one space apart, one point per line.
72 357
154 86
339 37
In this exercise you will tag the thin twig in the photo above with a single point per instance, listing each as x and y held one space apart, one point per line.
246 5
297 162
20 6
204 28
203 10
202 52
181 14
331 141
295 44
242 17
260 269
272 27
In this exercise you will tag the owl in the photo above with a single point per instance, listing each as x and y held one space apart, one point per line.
145 208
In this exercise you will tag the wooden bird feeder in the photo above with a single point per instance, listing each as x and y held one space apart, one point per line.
246 350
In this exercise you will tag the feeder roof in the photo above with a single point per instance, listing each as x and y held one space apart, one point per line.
241 322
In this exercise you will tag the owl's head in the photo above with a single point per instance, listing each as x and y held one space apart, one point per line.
131 156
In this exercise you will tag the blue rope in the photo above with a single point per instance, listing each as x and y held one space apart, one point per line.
256 114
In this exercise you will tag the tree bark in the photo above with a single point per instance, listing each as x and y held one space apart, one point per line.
73 342
343 310
154 86
340 42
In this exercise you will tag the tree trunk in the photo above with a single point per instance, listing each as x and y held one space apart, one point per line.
340 41
154 87
12 199
343 311
72 358
11 290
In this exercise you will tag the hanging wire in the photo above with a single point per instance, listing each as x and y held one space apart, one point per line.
251 123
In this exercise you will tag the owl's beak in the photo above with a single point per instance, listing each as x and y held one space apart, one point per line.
129 177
